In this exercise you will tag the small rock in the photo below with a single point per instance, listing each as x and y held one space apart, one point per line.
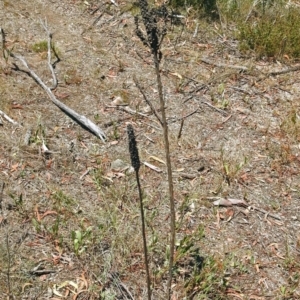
119 165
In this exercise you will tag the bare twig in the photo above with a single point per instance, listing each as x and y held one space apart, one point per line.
186 116
41 272
50 65
94 23
221 65
8 118
180 129
96 9
152 167
215 108
27 136
87 171
148 101
265 212
196 30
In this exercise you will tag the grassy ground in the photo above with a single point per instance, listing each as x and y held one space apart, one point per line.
70 222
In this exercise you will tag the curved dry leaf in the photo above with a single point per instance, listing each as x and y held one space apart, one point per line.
157 159
156 169
176 74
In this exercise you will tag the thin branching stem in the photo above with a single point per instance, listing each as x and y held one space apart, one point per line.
169 171
153 41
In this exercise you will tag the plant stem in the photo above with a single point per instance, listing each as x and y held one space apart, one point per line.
144 235
8 268
169 171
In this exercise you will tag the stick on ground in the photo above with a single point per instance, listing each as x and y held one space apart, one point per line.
82 120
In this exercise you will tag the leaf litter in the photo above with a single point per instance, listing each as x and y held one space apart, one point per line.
244 129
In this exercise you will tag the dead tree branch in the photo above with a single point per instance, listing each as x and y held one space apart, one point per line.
82 120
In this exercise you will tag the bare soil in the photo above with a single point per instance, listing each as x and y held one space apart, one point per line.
70 225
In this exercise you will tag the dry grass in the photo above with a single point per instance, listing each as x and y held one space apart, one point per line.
79 237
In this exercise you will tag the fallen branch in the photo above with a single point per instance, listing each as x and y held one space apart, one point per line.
221 65
276 73
288 70
82 120
85 122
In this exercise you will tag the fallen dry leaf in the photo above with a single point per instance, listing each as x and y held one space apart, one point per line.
17 106
229 202
156 169
48 212
157 159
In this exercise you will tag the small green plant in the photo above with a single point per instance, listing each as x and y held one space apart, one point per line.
99 179
81 239
39 47
63 203
6 52
54 229
223 102
18 204
38 135
42 47
210 283
116 134
37 225
230 169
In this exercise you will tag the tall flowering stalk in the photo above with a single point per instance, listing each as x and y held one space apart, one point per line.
135 162
153 41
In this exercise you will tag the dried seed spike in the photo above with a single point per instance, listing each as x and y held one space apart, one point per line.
133 150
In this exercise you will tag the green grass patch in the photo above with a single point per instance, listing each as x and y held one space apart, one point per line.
39 47
274 34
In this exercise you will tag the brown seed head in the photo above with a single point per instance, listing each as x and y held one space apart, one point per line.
133 150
